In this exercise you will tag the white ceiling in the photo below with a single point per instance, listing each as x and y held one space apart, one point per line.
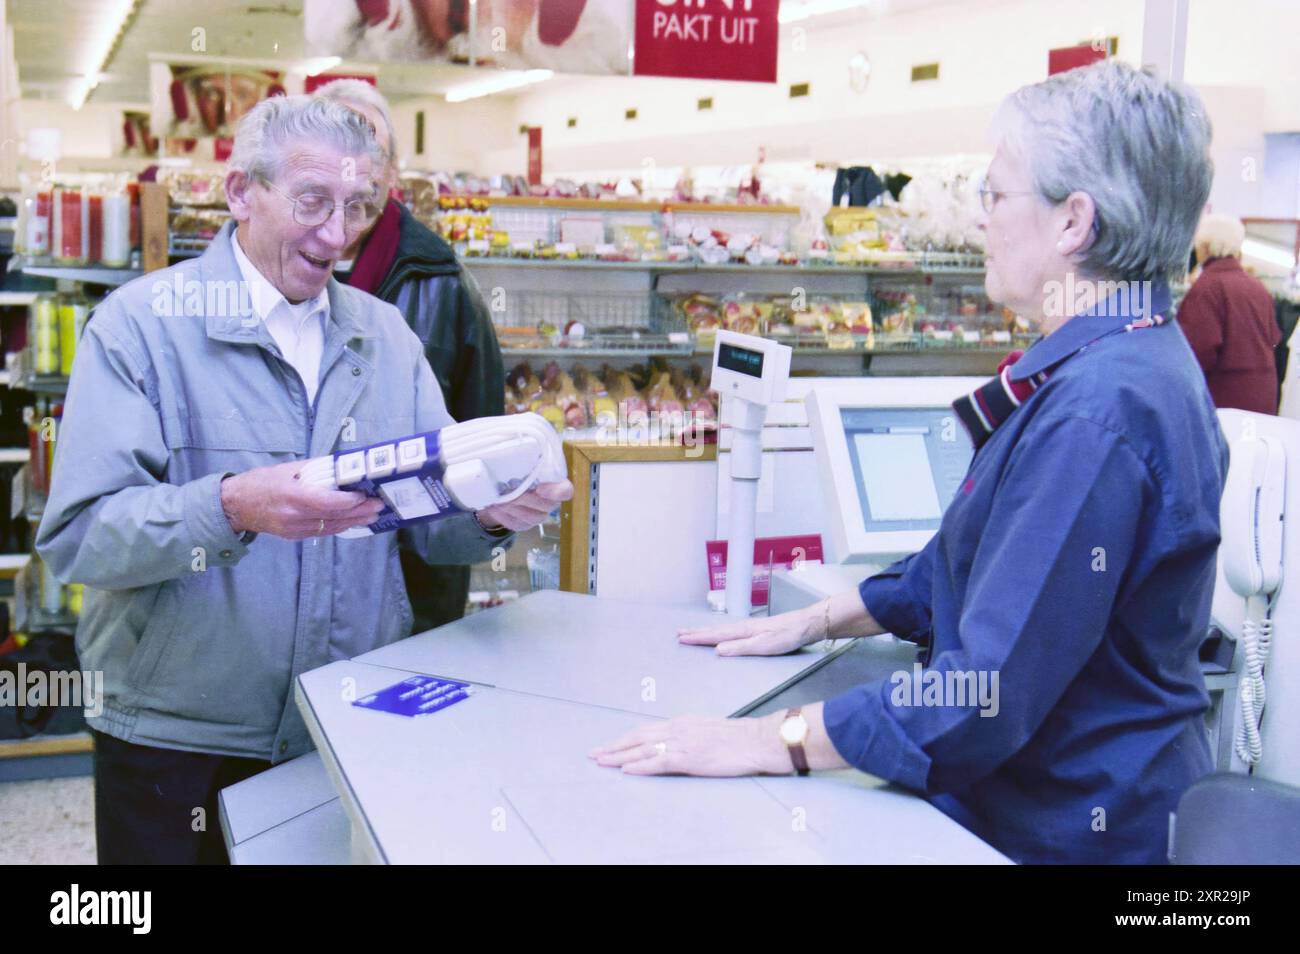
53 41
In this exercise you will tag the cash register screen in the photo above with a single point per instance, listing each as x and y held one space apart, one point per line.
907 464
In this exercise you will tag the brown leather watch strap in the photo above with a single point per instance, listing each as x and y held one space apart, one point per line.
797 755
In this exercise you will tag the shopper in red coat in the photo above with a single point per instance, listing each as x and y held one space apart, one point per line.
1228 319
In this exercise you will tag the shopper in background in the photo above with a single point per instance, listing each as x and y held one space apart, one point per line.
1076 565
213 577
408 265
1228 318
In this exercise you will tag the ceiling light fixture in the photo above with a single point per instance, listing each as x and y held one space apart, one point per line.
502 81
101 49
319 65
794 12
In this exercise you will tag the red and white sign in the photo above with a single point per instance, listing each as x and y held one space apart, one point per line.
1071 57
707 39
782 553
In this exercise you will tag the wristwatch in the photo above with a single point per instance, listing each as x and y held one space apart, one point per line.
794 732
500 533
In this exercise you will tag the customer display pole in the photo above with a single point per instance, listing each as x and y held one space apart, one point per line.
749 373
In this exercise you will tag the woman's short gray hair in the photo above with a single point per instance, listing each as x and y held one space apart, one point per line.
1221 235
275 125
359 91
1139 146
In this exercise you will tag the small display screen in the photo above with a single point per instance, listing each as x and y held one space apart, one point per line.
907 464
741 360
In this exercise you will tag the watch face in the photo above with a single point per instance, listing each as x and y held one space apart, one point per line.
794 730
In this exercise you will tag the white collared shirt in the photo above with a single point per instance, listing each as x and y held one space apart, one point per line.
297 330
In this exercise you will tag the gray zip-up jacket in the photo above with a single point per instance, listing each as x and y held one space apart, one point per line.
177 383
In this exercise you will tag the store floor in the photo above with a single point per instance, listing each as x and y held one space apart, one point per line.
48 822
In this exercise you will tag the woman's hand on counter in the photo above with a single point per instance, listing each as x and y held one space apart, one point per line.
698 745
527 511
718 747
840 615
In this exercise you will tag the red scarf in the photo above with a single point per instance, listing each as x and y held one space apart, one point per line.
376 258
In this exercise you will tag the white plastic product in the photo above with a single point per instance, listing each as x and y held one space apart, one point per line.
116 250
458 469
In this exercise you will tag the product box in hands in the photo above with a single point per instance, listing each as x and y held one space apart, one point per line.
461 468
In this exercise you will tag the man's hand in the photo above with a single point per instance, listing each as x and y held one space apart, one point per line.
529 510
274 500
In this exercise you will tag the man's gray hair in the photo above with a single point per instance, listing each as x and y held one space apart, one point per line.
359 91
1139 146
275 125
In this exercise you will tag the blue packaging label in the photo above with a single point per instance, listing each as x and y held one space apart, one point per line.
406 474
419 695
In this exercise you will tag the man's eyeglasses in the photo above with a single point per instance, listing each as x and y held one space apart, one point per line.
311 210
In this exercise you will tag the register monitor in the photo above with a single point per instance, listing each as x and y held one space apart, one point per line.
891 454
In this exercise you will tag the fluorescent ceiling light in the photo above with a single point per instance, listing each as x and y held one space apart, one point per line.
101 45
498 83
793 12
1264 252
319 65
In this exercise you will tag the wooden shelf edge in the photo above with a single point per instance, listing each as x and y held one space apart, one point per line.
74 744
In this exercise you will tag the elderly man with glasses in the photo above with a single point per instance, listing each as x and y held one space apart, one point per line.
213 574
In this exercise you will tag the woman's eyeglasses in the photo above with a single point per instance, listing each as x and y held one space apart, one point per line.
311 210
989 197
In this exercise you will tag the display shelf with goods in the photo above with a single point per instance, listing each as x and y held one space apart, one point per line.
42 603
90 274
102 234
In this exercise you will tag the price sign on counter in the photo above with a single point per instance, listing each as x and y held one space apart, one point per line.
707 39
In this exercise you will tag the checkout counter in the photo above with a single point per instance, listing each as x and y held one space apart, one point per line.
503 775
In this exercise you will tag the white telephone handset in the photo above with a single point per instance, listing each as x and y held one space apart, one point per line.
1251 522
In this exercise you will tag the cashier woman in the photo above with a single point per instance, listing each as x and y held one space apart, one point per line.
1077 559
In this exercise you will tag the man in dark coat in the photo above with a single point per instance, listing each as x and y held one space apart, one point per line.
406 264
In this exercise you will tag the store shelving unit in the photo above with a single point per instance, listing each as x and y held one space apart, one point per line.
86 274
46 755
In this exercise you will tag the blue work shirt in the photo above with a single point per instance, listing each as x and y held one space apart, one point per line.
1077 563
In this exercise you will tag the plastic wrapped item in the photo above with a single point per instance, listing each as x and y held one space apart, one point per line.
192 187
896 312
33 226
461 468
116 252
544 568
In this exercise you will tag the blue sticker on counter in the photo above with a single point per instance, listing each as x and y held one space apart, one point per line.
419 695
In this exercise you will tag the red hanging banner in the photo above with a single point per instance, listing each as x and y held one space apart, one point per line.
1070 57
707 39
534 155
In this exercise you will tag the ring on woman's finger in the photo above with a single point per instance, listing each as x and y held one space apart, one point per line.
321 528
661 747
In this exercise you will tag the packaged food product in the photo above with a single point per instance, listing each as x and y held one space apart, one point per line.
193 187
73 311
43 334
